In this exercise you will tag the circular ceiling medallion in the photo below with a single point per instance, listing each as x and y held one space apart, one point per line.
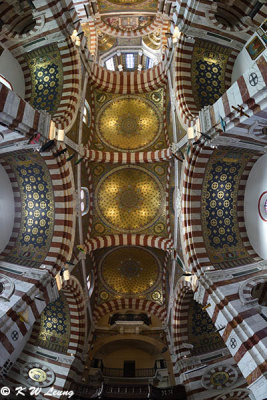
219 377
130 270
129 199
37 374
128 123
262 206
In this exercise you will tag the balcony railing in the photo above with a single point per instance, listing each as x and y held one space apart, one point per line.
119 373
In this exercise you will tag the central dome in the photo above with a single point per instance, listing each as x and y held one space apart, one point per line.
128 123
129 199
130 270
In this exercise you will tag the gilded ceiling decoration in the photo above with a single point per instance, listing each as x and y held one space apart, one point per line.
106 6
201 331
54 333
129 23
37 214
153 40
105 42
130 270
130 123
219 208
209 62
129 198
47 77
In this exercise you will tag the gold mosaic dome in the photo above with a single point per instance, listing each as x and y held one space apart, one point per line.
128 123
130 270
129 199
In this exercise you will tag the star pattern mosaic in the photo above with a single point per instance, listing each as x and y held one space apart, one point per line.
202 332
208 72
47 78
37 212
219 207
54 331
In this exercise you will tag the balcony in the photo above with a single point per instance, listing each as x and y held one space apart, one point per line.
129 391
138 373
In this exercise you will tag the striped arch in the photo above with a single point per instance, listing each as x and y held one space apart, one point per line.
17 203
130 303
64 225
156 24
245 290
78 324
240 394
183 297
128 82
126 158
194 173
69 104
73 293
183 79
100 242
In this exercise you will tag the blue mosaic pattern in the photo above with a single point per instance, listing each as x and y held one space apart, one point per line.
54 331
219 209
202 332
220 206
47 77
37 213
208 72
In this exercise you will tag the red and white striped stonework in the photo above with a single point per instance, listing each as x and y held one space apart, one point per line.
128 82
127 239
246 290
17 204
65 215
194 172
245 332
197 19
67 367
182 298
126 158
156 24
19 118
240 207
249 91
130 304
74 294
33 290
69 104
183 78
239 393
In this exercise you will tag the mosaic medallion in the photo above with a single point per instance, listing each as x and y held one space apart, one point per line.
128 123
130 270
37 375
129 199
219 377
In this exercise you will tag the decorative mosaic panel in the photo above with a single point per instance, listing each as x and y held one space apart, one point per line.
129 123
122 5
219 206
37 220
201 331
208 72
54 331
129 199
128 23
47 78
130 272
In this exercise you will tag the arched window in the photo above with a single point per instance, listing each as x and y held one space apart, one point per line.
84 200
5 82
86 113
